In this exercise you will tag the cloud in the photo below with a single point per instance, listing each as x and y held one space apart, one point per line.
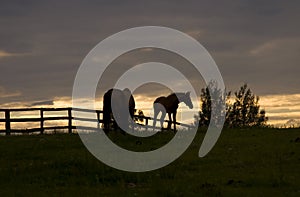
39 103
263 48
7 94
280 108
196 33
251 41
147 49
4 54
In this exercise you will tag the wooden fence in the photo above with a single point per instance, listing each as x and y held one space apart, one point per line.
69 118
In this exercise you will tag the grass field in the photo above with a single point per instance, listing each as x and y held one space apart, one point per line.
253 162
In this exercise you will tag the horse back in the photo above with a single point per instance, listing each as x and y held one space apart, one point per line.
170 103
160 100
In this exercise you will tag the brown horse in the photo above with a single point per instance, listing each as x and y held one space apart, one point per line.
122 101
169 105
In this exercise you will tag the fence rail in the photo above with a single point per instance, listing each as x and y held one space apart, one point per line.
42 119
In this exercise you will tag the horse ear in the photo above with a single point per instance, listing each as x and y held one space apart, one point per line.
188 93
126 90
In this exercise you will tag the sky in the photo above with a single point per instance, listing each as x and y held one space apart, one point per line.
43 43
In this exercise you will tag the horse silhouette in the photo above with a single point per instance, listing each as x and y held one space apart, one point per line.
122 101
169 105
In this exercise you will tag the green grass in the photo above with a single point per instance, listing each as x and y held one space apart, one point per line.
254 162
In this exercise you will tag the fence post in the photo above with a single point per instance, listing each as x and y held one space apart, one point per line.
42 120
7 122
70 120
98 116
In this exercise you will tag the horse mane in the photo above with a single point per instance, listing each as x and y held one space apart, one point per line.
176 94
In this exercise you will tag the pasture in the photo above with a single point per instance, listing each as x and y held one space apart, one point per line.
248 162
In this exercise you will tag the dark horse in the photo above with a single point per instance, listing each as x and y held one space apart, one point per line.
169 105
119 102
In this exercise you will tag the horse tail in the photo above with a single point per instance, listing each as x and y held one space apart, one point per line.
131 103
107 109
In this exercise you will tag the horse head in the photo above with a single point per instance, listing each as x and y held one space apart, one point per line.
186 98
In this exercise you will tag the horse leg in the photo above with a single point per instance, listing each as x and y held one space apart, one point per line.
174 121
162 118
106 121
170 121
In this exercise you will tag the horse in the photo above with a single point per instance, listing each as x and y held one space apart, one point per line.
169 105
122 101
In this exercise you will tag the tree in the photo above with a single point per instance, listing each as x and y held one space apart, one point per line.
205 116
243 112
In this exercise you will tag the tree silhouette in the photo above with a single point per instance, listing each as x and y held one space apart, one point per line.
243 112
205 116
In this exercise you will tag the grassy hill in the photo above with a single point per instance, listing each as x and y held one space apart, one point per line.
260 162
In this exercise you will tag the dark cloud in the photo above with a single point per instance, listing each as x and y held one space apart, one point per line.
39 103
251 41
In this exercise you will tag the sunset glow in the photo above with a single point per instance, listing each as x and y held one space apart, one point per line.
280 109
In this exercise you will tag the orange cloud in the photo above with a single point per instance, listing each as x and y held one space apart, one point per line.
281 108
4 54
